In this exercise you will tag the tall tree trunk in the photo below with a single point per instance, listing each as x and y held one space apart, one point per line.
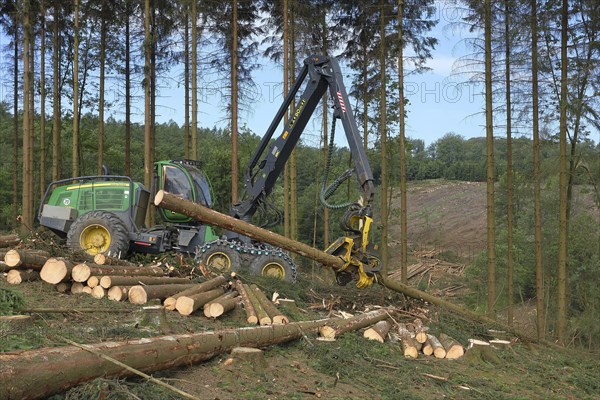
153 44
75 144
234 103
127 91
561 316
537 206
42 98
509 163
186 79
56 96
101 101
194 155
15 176
26 213
491 223
31 152
286 80
293 157
403 200
383 128
148 167
325 138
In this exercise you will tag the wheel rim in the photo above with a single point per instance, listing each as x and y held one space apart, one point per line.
219 261
274 269
95 239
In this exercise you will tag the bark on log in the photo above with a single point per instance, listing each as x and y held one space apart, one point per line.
16 276
261 313
118 293
63 287
420 331
186 305
453 348
56 270
378 331
409 347
26 259
438 350
93 281
200 213
81 272
4 267
251 317
141 294
215 309
210 284
21 381
109 280
9 240
356 322
276 316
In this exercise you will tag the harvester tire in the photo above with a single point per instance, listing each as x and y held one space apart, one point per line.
274 266
99 232
221 258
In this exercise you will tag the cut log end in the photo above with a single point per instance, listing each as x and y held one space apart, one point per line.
280 320
117 293
81 273
98 292
170 303
327 332
12 258
93 281
77 288
185 305
137 295
55 270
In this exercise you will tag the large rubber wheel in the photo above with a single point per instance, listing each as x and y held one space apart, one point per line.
99 232
221 258
274 266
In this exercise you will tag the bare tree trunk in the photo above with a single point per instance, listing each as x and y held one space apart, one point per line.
293 157
234 104
26 213
31 151
561 309
42 98
489 127
15 177
186 78
194 155
101 101
148 167
403 200
56 95
539 271
509 163
75 143
383 128
127 91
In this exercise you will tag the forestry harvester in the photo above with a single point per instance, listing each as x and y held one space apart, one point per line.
106 213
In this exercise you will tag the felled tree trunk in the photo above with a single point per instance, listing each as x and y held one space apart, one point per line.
118 293
33 374
378 331
81 272
251 317
107 281
453 348
276 316
188 304
141 294
9 240
171 301
437 349
353 323
261 314
15 276
26 259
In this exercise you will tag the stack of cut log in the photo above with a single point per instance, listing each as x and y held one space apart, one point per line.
413 337
22 265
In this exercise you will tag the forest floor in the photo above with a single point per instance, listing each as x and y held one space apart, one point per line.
349 368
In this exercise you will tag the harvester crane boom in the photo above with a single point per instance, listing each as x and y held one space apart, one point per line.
320 73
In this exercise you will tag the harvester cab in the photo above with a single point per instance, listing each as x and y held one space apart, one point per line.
106 213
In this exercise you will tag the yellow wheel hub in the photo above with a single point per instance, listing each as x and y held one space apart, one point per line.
274 269
95 239
219 261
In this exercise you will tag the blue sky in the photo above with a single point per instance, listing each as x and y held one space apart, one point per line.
438 103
